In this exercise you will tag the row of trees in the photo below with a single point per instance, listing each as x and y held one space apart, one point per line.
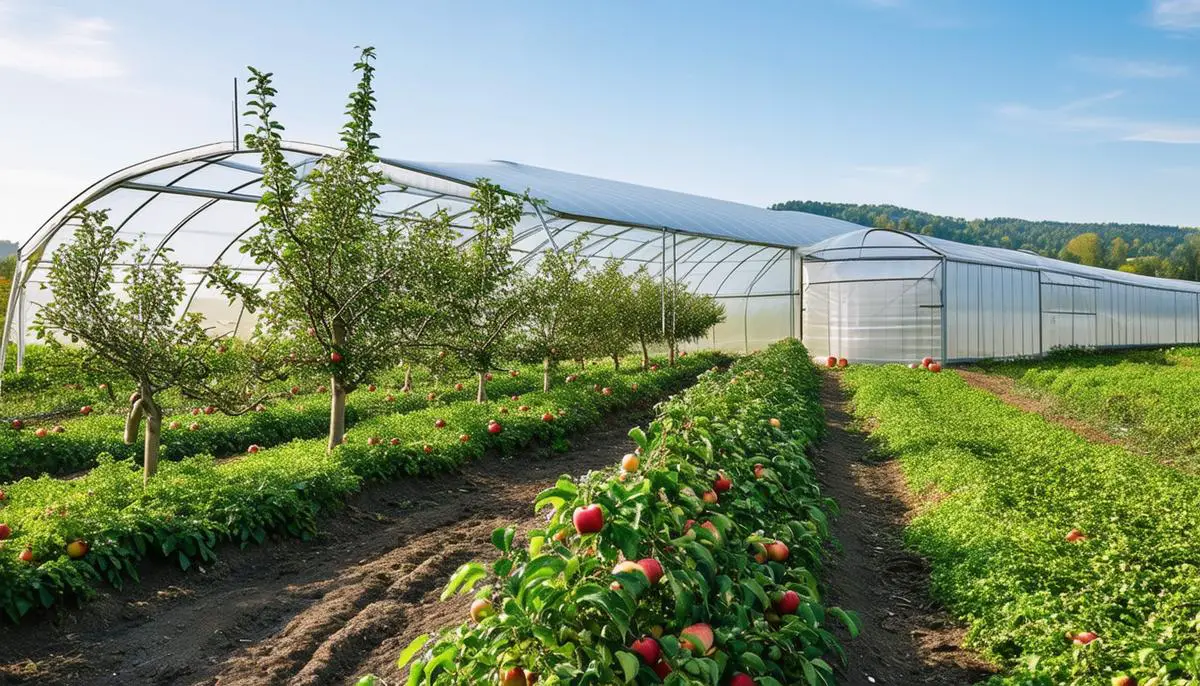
1155 250
351 292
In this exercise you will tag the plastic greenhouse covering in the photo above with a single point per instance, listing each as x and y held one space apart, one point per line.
863 294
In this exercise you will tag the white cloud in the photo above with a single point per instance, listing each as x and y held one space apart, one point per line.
56 45
1129 69
1176 14
1076 116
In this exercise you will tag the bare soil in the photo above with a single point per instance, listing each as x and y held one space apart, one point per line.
1005 388
907 638
318 612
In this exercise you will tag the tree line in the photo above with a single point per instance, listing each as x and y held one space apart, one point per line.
1153 250
350 294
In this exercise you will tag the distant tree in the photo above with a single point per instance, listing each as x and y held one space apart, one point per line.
491 292
136 327
609 311
1185 259
1118 252
1084 249
689 317
555 324
1151 265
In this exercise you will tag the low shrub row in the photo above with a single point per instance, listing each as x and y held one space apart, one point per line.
1151 398
1073 562
194 504
695 563
26 453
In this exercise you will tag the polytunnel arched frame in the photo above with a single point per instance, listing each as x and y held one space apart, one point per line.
201 202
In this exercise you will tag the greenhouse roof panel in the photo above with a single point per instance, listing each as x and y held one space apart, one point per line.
618 202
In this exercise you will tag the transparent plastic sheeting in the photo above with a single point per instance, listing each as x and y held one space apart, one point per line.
876 295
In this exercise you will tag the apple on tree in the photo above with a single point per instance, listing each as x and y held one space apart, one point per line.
77 549
588 519
648 649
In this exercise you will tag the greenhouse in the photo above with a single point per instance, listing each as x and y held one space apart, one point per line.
864 294
201 202
878 295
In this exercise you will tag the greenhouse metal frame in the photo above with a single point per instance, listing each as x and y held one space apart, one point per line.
201 202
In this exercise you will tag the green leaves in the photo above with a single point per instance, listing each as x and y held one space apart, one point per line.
464 579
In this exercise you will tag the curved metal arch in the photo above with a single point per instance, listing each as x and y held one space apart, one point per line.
738 266
765 268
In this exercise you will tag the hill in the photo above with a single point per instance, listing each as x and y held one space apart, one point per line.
1157 250
7 248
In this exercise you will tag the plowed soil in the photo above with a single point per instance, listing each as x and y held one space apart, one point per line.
318 612
907 638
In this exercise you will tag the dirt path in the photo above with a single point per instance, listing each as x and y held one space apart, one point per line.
317 612
1005 388
906 638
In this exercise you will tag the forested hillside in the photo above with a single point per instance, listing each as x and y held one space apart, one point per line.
1155 250
7 248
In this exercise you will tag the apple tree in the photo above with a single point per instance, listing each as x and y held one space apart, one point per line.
122 302
490 297
350 290
646 312
689 316
608 311
556 324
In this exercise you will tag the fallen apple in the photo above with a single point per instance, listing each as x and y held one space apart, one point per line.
487 377
547 417
372 388
59 428
85 410
194 426
394 441
514 373
374 440
843 362
439 423
41 432
925 362
1083 638
606 391
494 427
17 425
464 438
253 449
295 390
458 386
831 361
428 448
935 367
5 531
1075 535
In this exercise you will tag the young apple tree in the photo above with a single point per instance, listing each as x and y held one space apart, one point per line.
122 302
351 289
556 323
491 292
689 316
608 311
646 312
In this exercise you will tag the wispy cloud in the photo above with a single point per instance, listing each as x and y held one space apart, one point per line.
1177 15
1128 69
1079 116
56 45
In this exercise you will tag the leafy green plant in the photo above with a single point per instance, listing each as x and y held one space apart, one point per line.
703 601
1007 489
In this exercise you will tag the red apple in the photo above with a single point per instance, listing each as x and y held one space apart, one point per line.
842 362
441 354
390 398
1124 680
514 398
427 448
59 428
174 425
195 411
487 377
322 389
648 649
503 410
481 609
494 427
17 425
654 368
514 677
458 386
926 361
312 331
523 408
26 555
464 438
371 388
194 426
722 484
439 423
913 365
697 638
374 440
210 409
1075 535
41 432
712 528
774 421
787 603
1083 638
77 549
571 378
777 551
85 410
588 520
741 679
606 391
335 357
652 569
395 441
5 531
514 373
431 397
758 471
3 496
831 361
253 449
547 417
935 367
295 390
662 669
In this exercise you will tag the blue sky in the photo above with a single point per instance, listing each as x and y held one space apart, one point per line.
1073 110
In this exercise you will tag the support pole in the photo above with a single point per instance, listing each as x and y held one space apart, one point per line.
21 330
792 292
237 144
662 285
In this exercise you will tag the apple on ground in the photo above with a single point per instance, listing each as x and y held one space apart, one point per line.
253 449
913 365
59 428
487 377
194 426
458 386
439 423
1075 535
925 362
427 448
494 427
295 390
831 361
606 391
17 425
1083 638
547 417
514 373
648 649
5 531
374 440
390 398
588 519
843 362
464 438
174 425
935 367
260 408
523 408
85 410
633 387
503 409
431 397
372 388
395 441
41 432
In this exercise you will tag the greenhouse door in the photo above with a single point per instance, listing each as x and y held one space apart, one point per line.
894 317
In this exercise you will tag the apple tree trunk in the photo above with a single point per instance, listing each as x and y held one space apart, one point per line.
481 393
547 363
153 438
407 378
645 355
671 354
133 421
337 412
616 362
